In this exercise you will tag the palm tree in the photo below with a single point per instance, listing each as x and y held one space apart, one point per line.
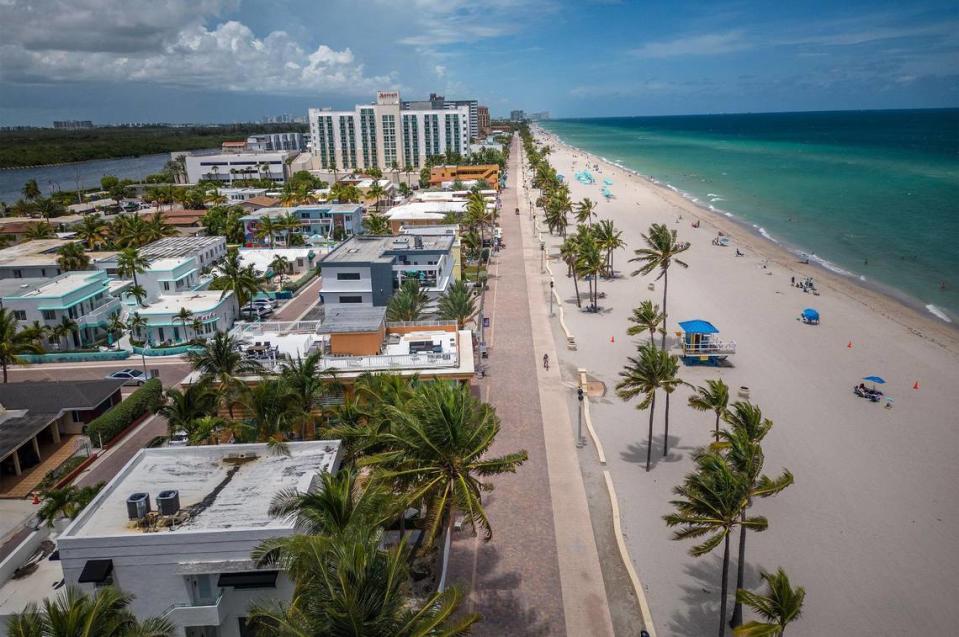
92 231
660 252
270 404
437 449
280 266
184 316
73 613
569 253
266 228
712 499
376 192
645 318
308 384
138 292
713 397
31 190
234 277
742 446
185 406
780 606
135 325
609 239
408 303
157 228
49 207
458 303
221 360
197 326
289 222
38 332
354 588
72 257
590 264
115 327
652 370
130 263
66 502
585 211
66 327
39 230
376 224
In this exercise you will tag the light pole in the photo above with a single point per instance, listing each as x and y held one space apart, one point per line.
542 256
551 297
579 425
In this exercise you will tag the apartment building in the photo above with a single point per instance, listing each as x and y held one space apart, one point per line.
176 528
367 270
482 123
267 142
215 311
82 297
385 134
38 259
315 220
440 103
205 250
226 167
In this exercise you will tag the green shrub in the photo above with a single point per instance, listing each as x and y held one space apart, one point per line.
106 427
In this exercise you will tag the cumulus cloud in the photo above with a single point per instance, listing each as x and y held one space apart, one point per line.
118 41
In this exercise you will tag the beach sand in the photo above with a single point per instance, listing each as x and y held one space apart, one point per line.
869 528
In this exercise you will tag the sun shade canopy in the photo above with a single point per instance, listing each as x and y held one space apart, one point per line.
248 579
698 326
875 379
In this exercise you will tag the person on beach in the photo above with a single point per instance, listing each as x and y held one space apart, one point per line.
546 362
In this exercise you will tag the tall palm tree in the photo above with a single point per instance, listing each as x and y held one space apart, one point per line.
590 264
289 223
197 326
186 405
438 448
66 327
221 360
308 383
376 224
73 613
135 326
31 190
660 253
376 192
710 503
273 413
609 239
234 277
93 231
713 397
138 292
72 257
458 303
653 370
569 253
742 446
184 316
280 266
585 210
408 303
39 230
115 327
780 606
645 318
130 263
266 228
157 228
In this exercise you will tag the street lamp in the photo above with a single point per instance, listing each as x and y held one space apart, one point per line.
579 426
542 256
551 297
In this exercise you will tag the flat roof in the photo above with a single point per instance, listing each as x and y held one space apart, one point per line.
198 301
19 287
16 254
169 263
338 320
172 247
370 249
221 487
61 284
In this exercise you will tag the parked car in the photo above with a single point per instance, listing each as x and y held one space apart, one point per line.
130 375
178 439
266 302
260 310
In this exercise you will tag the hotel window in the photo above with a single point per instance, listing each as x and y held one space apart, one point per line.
351 299
20 315
48 315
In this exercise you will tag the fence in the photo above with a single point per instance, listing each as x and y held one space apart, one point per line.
74 357
165 351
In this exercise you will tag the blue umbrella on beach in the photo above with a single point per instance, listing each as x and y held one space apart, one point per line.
810 315
875 379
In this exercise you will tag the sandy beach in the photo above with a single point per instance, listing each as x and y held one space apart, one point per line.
869 526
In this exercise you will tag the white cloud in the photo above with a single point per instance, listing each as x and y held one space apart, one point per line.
170 45
440 70
706 44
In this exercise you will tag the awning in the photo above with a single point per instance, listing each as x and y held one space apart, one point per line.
698 326
249 579
96 571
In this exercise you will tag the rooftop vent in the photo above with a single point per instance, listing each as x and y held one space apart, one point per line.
168 502
138 505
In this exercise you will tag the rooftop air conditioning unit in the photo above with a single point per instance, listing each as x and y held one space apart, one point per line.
138 505
168 502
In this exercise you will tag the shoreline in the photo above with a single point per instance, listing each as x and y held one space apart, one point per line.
885 300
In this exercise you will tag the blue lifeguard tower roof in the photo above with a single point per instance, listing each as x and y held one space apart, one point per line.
698 326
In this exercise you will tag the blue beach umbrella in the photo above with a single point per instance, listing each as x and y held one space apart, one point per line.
875 379
810 315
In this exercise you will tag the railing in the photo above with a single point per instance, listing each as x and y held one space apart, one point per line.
194 613
436 323
387 361
709 348
175 350
276 327
100 314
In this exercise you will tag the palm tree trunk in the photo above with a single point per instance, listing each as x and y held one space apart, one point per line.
717 426
576 289
724 587
666 433
665 288
4 365
649 440
740 572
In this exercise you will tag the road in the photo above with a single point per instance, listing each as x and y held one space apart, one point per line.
299 305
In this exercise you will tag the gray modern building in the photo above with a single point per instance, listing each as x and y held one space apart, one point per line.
367 270
440 103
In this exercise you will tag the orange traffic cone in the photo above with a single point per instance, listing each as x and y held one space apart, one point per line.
612 339
916 385
849 345
36 498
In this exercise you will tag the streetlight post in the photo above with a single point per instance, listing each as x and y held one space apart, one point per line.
551 297
542 256
579 426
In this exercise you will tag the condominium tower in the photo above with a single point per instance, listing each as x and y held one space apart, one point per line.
387 134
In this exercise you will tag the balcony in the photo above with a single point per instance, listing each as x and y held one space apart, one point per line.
196 614
100 316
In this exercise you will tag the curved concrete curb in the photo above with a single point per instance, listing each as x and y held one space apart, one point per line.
589 421
627 562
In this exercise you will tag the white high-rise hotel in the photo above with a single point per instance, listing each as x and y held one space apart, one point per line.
386 135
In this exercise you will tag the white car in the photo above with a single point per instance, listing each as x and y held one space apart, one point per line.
130 375
178 439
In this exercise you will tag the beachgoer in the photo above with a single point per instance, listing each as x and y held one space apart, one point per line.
546 362
792 280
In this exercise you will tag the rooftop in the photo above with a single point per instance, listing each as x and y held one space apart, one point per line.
338 320
178 247
60 285
18 287
21 253
221 487
367 249
279 211
196 302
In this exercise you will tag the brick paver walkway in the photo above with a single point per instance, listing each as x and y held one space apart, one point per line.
298 305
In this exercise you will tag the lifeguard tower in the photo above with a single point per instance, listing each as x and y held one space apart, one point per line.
700 343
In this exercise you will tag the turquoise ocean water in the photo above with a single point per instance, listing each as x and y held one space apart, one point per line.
872 194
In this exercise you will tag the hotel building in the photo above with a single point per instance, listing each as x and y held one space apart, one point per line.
386 134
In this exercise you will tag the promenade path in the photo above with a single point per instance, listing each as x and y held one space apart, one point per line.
539 575
301 303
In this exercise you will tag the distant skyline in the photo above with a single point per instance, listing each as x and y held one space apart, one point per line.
241 60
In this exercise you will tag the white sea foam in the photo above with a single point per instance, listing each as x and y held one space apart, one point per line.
938 313
763 232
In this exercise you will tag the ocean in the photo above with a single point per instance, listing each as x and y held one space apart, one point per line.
870 194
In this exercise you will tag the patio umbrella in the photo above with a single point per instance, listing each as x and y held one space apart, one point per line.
875 380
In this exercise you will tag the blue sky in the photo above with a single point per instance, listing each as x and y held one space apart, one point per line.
236 60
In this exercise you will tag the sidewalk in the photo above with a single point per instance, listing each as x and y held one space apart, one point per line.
538 575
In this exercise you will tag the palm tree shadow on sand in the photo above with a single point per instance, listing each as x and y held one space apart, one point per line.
636 451
701 596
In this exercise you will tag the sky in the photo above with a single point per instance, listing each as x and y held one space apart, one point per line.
240 60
